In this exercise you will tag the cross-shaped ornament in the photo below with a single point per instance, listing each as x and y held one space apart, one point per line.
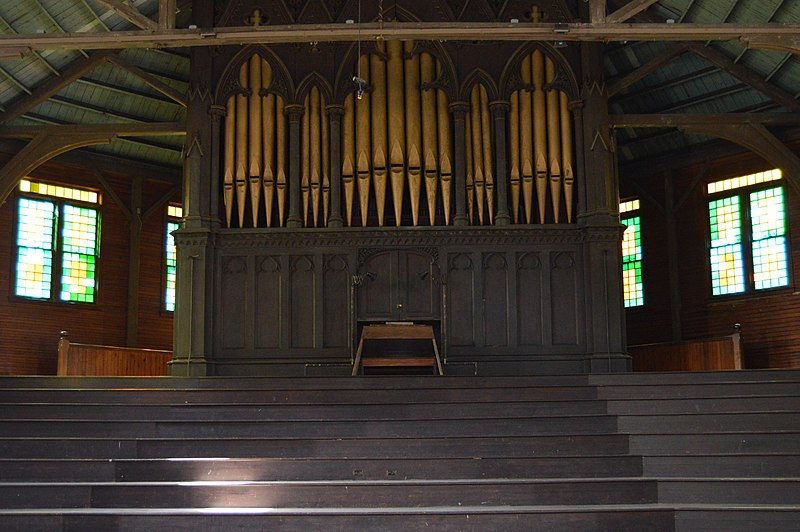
256 19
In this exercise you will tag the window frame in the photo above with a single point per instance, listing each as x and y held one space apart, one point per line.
57 258
746 238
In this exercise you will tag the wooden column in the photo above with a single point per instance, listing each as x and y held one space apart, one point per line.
335 114
295 113
670 210
499 111
217 113
460 110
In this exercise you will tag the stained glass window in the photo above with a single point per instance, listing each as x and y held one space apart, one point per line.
57 243
748 242
633 289
174 213
172 268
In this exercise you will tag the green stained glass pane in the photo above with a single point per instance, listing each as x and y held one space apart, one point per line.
767 213
35 240
631 239
172 263
770 263
727 270
725 220
78 278
80 230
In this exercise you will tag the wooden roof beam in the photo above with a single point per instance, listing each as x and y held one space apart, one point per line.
96 130
54 84
167 10
629 10
775 36
150 79
746 76
130 14
691 120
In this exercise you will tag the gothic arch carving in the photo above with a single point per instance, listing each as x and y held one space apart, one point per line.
478 76
314 79
228 85
510 79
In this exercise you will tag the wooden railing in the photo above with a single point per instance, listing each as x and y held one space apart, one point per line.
708 354
104 360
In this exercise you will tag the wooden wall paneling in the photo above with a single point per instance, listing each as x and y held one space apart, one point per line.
318 294
530 297
419 291
495 299
302 290
461 299
233 290
336 297
564 297
267 309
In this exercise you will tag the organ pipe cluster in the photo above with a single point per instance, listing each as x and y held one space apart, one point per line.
540 144
396 138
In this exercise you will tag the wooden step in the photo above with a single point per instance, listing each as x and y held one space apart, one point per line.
724 466
401 362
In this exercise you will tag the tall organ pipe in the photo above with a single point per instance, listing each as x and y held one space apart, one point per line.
397 111
539 130
413 128
526 140
486 143
241 144
280 148
477 151
513 153
553 138
348 156
429 133
268 136
566 153
379 163
363 140
255 149
230 144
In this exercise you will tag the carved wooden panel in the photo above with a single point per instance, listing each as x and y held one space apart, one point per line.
495 299
530 296
375 293
234 290
302 293
460 299
336 292
419 291
564 298
268 310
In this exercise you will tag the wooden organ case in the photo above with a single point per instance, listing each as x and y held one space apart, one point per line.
416 181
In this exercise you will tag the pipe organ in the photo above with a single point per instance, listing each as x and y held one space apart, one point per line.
540 146
396 152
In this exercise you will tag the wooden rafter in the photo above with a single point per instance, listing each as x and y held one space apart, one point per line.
118 130
784 36
166 14
150 79
745 75
629 10
597 11
130 14
53 85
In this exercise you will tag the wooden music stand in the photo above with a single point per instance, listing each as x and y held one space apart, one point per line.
395 332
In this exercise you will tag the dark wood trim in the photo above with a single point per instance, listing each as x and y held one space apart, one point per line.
686 120
117 130
131 14
150 79
629 10
657 62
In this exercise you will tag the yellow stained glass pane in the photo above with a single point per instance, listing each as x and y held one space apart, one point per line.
742 181
34 187
628 206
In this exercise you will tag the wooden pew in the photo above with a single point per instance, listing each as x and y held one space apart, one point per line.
708 354
105 360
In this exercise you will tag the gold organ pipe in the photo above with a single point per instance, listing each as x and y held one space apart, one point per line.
470 167
255 136
268 136
445 166
477 151
348 156
397 136
241 144
486 142
526 140
539 130
363 142
230 145
566 153
413 128
315 137
378 74
513 153
429 130
326 162
553 139
305 162
280 150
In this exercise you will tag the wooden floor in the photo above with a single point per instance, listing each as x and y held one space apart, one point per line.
692 451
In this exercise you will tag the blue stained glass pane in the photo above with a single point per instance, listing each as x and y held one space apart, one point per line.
727 270
770 263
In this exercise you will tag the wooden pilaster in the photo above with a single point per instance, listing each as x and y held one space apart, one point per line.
499 112
459 110
335 113
295 113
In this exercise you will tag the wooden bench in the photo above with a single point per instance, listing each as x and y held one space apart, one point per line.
397 332
709 354
109 361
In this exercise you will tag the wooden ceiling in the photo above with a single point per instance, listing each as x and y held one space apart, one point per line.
107 62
